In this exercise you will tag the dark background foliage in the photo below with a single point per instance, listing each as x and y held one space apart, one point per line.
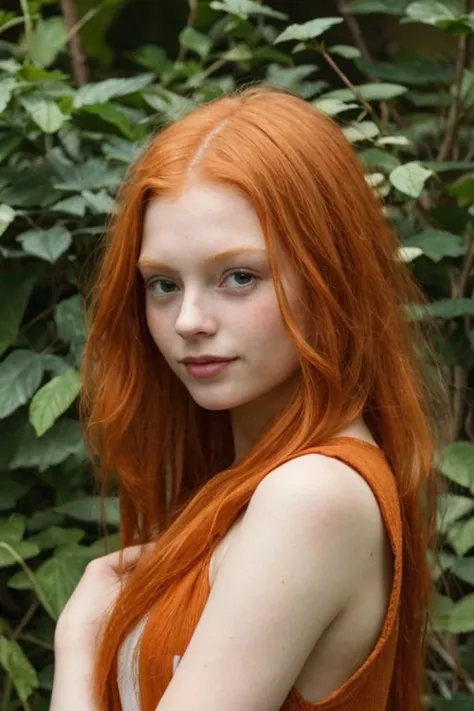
83 85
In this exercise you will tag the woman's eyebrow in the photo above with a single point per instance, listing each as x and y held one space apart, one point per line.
145 262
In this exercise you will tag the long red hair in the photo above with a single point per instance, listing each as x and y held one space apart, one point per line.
174 461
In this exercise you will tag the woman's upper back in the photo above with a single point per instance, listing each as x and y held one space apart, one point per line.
352 664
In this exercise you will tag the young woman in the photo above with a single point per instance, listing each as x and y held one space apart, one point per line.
253 383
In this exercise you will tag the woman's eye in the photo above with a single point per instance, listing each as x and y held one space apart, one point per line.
161 286
241 278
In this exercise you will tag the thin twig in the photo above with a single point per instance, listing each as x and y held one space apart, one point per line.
190 23
354 90
76 52
28 23
354 28
89 15
455 110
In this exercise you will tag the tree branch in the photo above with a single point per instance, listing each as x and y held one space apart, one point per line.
76 53
354 90
189 23
455 110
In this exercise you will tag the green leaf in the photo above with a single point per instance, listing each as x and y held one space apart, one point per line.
437 244
12 529
457 618
439 15
88 509
47 40
70 322
409 254
196 41
15 290
373 91
458 464
54 536
458 702
7 86
345 50
53 399
59 575
7 215
332 107
239 53
461 536
385 7
393 141
361 131
23 549
75 205
20 377
376 159
244 8
464 570
113 115
308 30
100 203
18 668
451 508
44 112
410 178
92 174
171 105
103 91
46 244
450 308
55 446
463 188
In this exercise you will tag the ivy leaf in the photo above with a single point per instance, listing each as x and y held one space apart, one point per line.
18 668
7 215
45 113
373 91
196 41
53 399
58 576
458 464
55 536
345 50
308 30
88 509
361 131
6 91
20 377
437 244
244 8
15 290
333 107
47 40
101 92
410 178
62 440
439 15
46 244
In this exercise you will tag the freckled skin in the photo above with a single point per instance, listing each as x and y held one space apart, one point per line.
209 312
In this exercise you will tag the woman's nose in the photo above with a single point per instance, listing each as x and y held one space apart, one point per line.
195 317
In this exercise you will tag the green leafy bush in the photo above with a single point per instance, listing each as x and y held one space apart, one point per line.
63 153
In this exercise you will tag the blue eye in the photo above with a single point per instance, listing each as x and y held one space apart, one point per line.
243 279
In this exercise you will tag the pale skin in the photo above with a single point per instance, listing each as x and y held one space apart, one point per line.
310 555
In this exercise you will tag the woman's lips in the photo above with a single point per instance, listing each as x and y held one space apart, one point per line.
209 369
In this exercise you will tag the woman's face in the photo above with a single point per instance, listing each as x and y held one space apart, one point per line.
209 292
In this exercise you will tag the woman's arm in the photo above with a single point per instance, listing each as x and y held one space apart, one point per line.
72 683
305 543
79 626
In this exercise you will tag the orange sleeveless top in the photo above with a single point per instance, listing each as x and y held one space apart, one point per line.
181 607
